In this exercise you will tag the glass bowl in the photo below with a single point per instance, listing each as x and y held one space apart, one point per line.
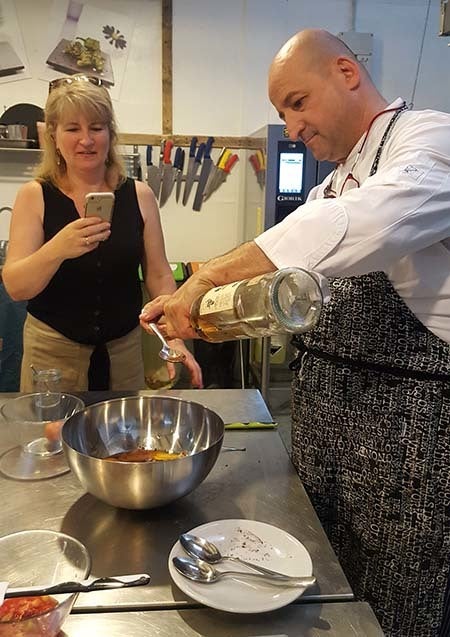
42 558
34 426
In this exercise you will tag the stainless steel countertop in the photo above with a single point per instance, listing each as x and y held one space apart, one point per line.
310 620
232 405
259 484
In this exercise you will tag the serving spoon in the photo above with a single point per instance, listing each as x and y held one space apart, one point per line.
200 571
167 353
208 552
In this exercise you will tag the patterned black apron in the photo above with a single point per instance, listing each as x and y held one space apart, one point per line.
371 443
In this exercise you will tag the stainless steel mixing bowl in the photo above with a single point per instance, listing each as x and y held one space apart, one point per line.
151 422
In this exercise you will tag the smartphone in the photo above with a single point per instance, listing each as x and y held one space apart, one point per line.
99 204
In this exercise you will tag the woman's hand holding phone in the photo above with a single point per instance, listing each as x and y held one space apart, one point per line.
79 237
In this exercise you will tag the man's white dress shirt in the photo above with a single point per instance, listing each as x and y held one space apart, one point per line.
398 221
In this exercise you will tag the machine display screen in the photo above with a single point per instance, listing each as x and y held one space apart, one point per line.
290 178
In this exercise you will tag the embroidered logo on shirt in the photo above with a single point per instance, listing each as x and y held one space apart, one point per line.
413 172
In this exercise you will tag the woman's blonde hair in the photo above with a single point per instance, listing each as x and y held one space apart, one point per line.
78 96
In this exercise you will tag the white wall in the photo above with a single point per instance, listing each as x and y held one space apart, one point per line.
221 52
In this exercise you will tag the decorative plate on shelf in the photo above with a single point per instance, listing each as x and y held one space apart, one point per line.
257 542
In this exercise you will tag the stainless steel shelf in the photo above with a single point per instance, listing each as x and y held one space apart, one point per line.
14 149
132 160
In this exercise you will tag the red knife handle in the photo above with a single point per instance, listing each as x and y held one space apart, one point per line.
230 163
167 150
254 163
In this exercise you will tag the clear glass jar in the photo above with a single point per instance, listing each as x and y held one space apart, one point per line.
47 382
280 302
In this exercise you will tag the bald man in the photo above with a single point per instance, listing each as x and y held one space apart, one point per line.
371 384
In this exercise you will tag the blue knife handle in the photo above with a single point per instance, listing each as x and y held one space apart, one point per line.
177 159
200 151
192 147
149 155
209 143
182 155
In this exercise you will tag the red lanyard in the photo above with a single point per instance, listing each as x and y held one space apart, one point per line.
350 179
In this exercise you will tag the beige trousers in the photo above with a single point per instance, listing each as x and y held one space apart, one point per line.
45 348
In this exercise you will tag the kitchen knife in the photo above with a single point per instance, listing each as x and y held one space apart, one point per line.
262 167
167 174
204 174
191 177
215 175
224 172
161 164
80 586
215 172
153 173
256 167
179 177
175 169
190 167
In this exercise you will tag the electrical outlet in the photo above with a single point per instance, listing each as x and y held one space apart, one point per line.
361 44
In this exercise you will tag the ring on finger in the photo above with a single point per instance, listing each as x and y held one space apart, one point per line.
86 240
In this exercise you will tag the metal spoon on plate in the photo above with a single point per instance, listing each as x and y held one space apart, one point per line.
204 573
167 353
208 552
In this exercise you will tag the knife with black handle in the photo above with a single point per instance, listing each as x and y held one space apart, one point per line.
191 177
204 174
190 167
179 165
83 586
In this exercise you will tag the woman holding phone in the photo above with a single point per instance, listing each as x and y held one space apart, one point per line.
78 271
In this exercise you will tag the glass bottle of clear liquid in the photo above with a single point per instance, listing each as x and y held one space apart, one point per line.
281 302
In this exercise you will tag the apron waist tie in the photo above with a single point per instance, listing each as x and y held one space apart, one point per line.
401 372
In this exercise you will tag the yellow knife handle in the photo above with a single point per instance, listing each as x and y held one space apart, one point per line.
224 158
261 159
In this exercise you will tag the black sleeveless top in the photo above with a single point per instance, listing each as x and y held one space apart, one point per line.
97 297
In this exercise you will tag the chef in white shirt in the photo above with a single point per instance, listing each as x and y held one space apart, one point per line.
371 384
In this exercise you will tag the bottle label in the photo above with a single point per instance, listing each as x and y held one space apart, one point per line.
218 299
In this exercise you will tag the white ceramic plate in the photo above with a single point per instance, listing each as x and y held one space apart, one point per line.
257 542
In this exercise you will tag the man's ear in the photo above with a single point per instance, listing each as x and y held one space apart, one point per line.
349 72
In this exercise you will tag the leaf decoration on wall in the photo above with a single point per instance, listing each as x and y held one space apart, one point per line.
114 37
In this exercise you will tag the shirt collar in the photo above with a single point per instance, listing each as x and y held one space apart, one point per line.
376 132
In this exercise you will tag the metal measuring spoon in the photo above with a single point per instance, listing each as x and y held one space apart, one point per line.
199 571
208 552
167 353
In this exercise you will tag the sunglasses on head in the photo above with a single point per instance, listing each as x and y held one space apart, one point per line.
60 81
